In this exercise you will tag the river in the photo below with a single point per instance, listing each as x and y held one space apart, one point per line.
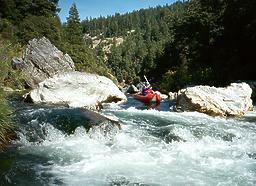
155 147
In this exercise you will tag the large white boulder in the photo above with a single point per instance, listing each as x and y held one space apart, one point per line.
233 100
77 89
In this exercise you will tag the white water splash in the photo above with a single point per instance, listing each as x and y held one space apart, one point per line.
207 151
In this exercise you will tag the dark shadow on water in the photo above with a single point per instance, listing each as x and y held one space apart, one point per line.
33 121
251 119
252 155
166 135
123 181
23 169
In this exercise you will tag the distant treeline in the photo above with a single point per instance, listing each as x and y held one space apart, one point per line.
191 42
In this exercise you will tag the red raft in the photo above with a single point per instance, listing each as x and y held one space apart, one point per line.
150 97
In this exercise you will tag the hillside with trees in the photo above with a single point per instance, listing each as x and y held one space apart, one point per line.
21 21
186 43
190 42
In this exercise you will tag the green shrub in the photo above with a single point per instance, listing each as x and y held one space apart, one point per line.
6 126
38 26
9 77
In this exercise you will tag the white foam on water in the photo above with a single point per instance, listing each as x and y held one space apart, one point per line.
135 156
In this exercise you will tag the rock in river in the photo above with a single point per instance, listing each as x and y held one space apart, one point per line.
233 100
77 89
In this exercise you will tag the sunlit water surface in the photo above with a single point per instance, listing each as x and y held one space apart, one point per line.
154 147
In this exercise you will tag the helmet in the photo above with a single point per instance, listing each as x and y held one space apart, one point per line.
146 83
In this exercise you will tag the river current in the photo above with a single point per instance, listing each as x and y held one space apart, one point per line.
155 147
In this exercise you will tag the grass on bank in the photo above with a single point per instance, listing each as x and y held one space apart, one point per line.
8 78
7 128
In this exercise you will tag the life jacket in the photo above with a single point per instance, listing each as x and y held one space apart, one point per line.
146 90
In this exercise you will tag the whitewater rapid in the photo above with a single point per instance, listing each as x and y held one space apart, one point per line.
153 148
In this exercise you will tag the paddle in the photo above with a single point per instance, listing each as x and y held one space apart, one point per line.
146 79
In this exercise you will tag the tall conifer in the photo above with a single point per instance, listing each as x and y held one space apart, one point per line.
74 32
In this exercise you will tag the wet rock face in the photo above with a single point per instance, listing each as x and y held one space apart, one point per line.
42 60
107 130
17 63
101 126
233 100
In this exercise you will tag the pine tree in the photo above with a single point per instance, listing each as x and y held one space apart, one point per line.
73 29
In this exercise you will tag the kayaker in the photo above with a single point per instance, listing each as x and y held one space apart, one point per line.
146 89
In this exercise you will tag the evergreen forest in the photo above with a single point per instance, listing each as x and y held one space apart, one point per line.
186 43
208 42
192 42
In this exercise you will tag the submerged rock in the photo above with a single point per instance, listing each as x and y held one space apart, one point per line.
233 100
77 89
101 125
172 96
42 60
106 130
